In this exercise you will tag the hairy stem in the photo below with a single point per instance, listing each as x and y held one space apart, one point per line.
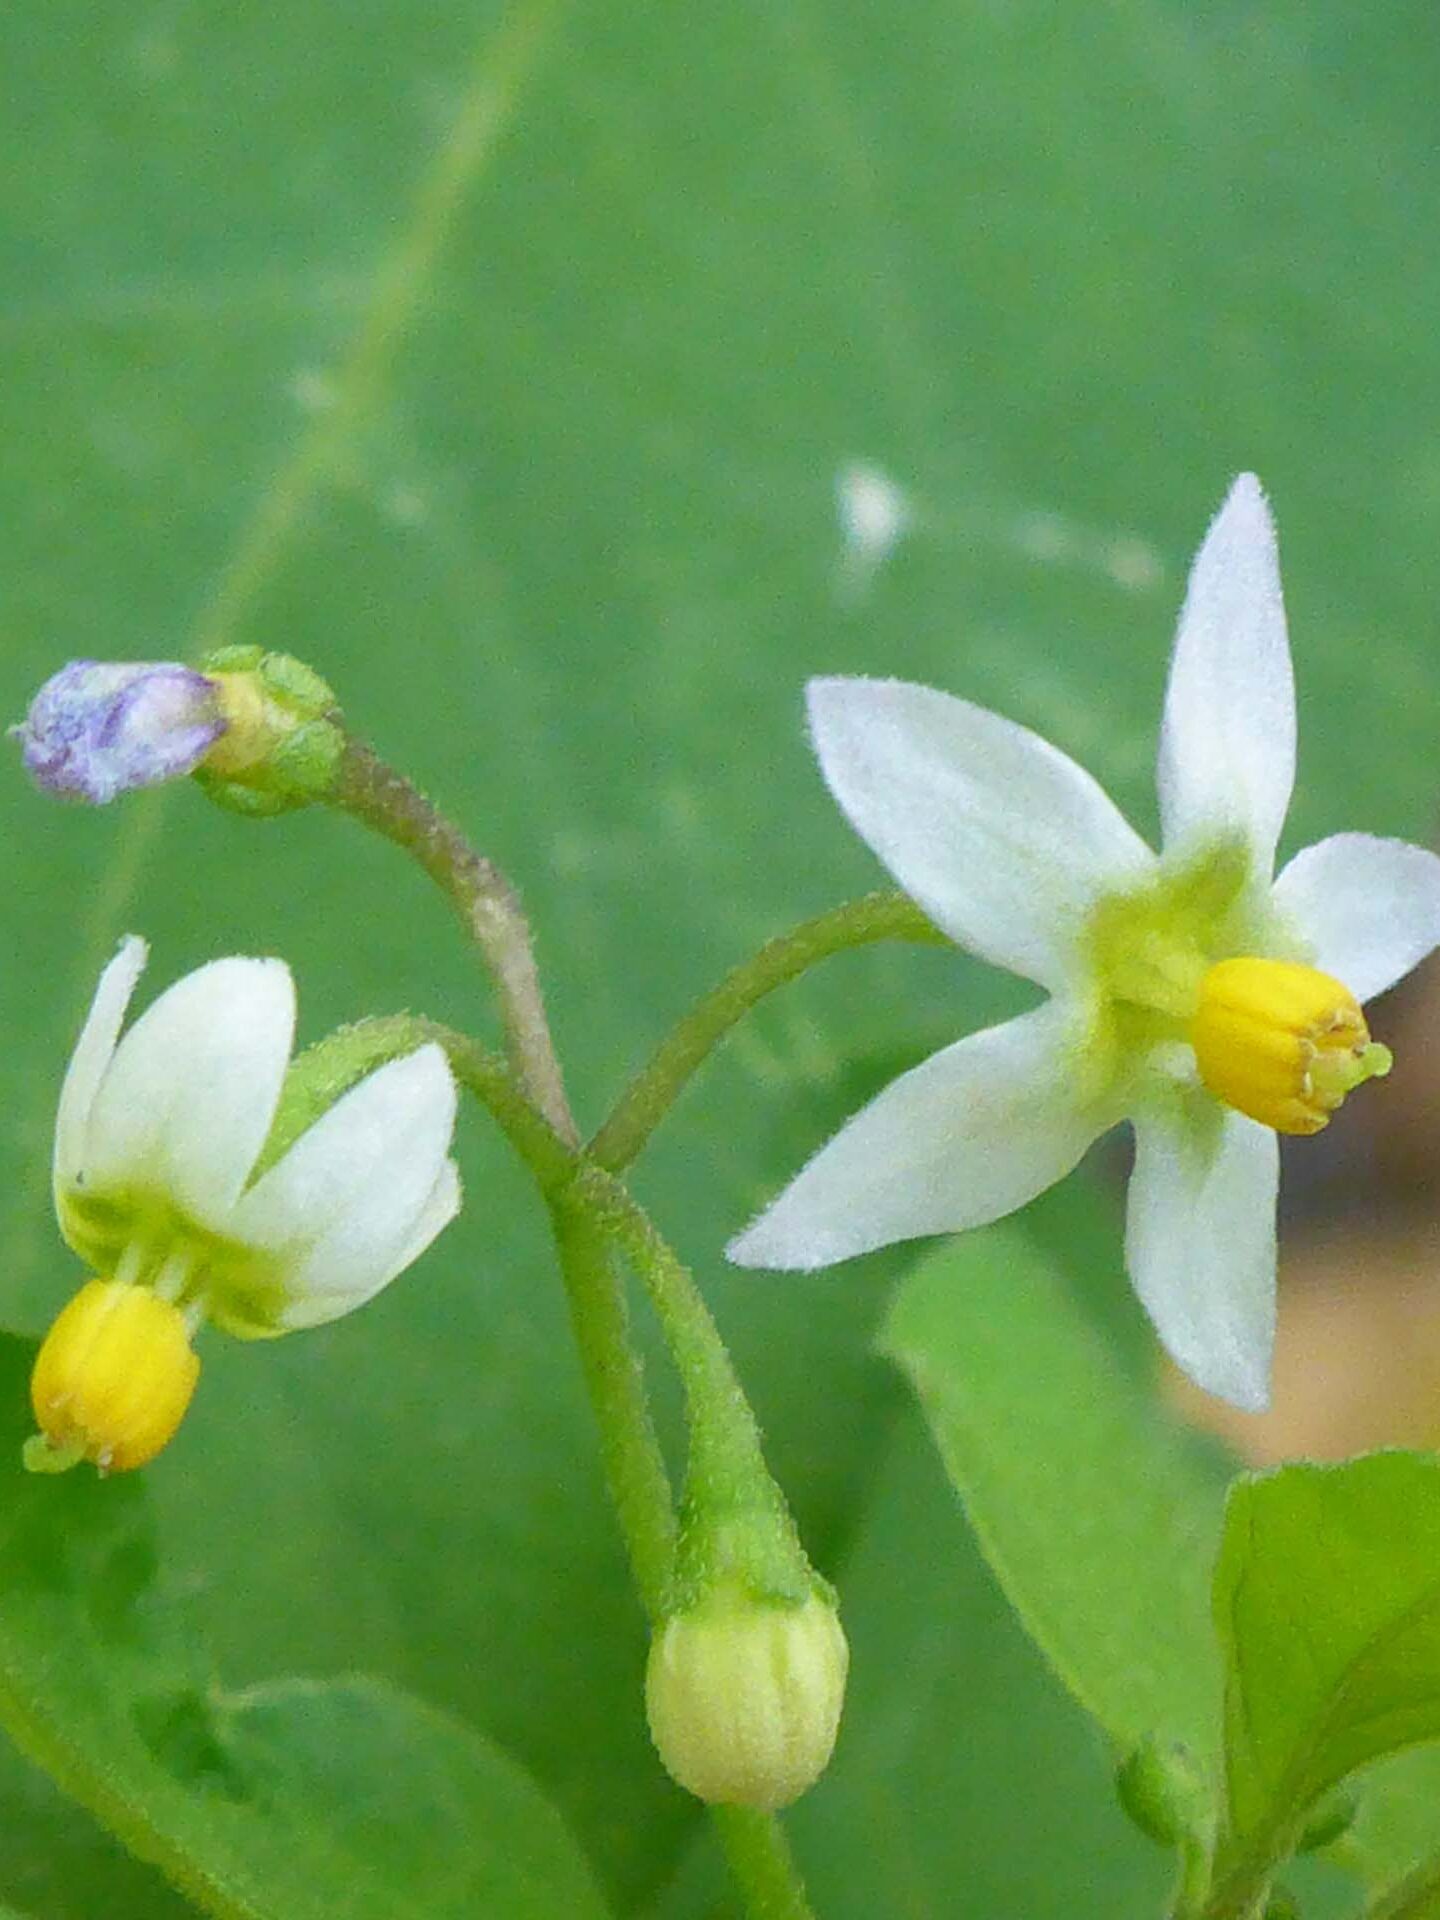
634 1466
654 1090
386 802
589 1205
724 1437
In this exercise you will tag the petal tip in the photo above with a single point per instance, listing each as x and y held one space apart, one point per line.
828 693
1241 1380
758 1246
1246 508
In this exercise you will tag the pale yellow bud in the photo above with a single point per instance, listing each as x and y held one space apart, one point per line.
744 1698
112 1379
1282 1043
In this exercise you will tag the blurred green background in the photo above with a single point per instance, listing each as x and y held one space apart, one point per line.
514 366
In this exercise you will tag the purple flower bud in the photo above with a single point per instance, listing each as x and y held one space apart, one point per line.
97 728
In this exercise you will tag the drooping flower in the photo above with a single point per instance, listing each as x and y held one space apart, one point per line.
177 1184
1192 992
100 728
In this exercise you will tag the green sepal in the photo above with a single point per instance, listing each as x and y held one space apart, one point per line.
323 1073
289 682
284 741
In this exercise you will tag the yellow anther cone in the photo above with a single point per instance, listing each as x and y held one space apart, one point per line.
1282 1043
113 1378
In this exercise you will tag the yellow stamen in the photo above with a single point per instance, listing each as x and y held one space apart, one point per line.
112 1380
1282 1043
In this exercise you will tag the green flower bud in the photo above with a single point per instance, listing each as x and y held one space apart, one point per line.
1328 1821
283 741
1164 1792
744 1697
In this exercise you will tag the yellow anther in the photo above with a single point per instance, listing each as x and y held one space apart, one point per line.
1282 1042
112 1380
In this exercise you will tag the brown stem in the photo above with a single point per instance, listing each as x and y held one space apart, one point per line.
487 903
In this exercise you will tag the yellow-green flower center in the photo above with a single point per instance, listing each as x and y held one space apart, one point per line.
1198 958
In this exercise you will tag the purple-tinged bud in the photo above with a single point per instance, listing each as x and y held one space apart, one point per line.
98 729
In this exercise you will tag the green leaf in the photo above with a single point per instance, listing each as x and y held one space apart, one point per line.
290 1800
1098 1517
1395 1828
58 1858
1327 1600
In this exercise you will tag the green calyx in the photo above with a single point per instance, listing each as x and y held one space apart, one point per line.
283 741
750 1552
329 1069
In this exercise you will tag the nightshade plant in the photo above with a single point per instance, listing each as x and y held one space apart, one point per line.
205 1178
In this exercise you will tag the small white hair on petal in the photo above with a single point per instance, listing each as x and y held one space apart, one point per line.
1368 908
967 1136
93 1053
357 1189
998 835
1200 1243
186 1102
1227 739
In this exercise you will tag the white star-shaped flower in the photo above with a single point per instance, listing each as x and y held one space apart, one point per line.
1191 992
168 1184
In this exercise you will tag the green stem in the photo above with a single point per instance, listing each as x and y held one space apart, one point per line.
550 1158
387 803
528 1100
1241 1893
1193 1880
634 1466
654 1090
724 1436
764 1868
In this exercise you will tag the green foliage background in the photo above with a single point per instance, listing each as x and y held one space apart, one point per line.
500 361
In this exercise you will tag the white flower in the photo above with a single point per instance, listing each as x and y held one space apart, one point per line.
164 1185
1184 991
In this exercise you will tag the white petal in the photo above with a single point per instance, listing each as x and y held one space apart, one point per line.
1200 1243
1227 744
92 1056
970 1134
1369 908
1000 837
314 1309
189 1097
356 1190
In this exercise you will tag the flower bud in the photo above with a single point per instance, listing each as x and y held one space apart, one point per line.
744 1697
112 1381
1164 1792
1328 1821
283 742
98 728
